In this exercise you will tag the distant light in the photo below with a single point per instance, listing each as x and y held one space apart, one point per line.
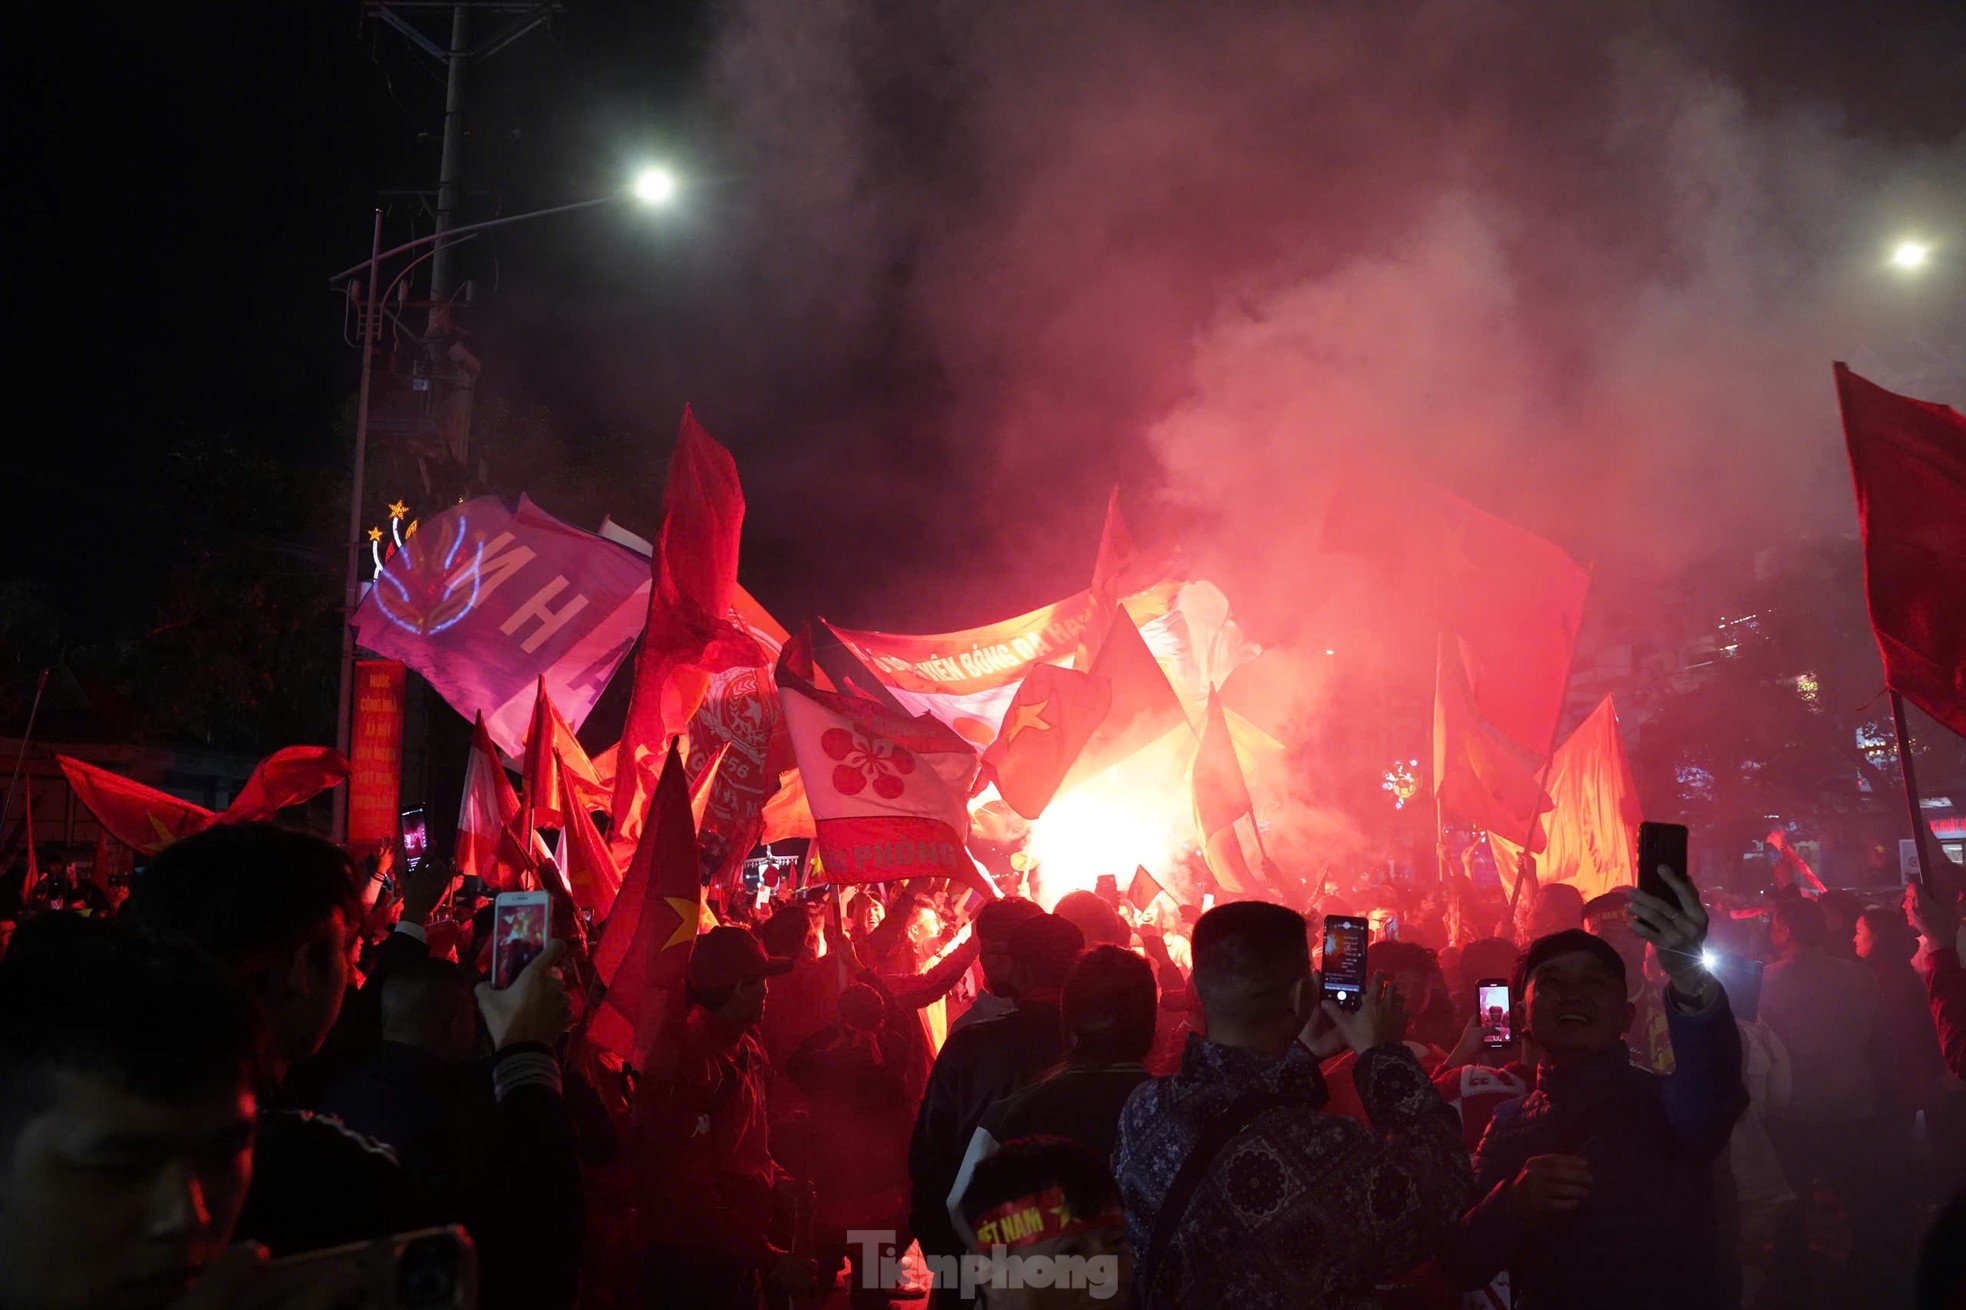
1331 652
655 186
1910 255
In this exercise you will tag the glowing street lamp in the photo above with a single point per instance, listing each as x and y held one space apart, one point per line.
1909 255
655 186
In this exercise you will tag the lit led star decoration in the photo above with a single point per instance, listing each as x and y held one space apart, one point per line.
1402 781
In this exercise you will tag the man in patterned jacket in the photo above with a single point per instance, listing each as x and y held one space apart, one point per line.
1290 1206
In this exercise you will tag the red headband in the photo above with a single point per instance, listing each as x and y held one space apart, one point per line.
1039 1217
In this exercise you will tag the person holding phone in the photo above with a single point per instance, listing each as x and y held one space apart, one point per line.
1597 1188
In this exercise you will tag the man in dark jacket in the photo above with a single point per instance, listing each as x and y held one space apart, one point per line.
279 908
981 1064
1598 1187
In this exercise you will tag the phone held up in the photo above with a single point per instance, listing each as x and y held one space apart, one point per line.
1345 936
521 927
1660 843
1494 1006
432 1269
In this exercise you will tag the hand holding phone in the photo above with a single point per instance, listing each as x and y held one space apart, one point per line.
521 927
1666 911
534 1008
1345 940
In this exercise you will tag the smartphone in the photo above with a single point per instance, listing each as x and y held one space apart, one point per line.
1345 938
1495 1007
1740 977
1660 843
432 1269
520 930
416 837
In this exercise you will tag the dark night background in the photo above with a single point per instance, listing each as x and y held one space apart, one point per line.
930 354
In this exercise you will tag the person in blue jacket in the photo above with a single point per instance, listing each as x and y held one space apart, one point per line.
1597 1190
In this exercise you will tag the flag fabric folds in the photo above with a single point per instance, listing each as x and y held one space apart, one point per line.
1480 777
1144 705
487 846
484 601
643 957
688 635
1593 827
1514 599
1109 568
1221 798
593 877
1908 460
888 791
786 811
1141 891
147 820
1051 718
559 777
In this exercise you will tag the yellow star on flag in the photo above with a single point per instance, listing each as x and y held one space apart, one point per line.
1028 717
399 510
688 913
375 534
164 835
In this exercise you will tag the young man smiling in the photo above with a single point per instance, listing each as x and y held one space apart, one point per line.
1598 1188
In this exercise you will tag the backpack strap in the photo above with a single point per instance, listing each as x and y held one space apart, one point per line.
1219 1132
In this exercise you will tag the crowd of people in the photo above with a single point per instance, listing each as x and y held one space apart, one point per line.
911 1094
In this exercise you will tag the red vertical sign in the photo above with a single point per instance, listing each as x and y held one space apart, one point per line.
375 776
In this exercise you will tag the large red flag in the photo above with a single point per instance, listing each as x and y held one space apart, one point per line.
1051 718
486 845
286 777
1480 777
1908 459
888 791
1221 798
553 793
689 634
593 877
1144 705
1593 826
1514 599
643 957
1109 568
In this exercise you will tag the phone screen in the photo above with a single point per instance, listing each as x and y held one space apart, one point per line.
416 837
1345 937
519 931
1492 1003
1660 843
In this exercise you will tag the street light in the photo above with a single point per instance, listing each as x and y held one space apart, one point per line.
653 187
1911 255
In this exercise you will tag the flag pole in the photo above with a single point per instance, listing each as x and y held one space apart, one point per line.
1910 776
20 756
1549 752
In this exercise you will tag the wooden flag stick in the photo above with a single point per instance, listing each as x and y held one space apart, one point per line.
1910 775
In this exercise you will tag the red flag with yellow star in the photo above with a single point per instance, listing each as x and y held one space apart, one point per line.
643 956
1144 707
1050 719
148 820
559 776
1513 599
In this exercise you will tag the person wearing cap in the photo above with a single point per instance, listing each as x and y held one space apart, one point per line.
983 1063
714 1197
1597 1188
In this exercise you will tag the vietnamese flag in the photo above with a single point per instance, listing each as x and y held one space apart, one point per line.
1141 891
553 793
486 845
1593 826
285 778
1221 797
786 811
643 957
1144 708
1050 719
593 877
1908 460
1514 599
689 634
1480 777
1116 556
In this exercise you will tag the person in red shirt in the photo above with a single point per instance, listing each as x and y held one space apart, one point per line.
714 1199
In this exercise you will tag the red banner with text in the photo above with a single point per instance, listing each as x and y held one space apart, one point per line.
375 776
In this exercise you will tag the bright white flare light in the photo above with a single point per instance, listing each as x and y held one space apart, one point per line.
1910 255
1709 960
1138 813
655 186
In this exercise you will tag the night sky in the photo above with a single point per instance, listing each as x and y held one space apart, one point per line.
853 303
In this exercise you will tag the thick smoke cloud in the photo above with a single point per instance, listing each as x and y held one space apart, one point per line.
1556 258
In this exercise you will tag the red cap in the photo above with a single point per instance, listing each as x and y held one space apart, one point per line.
726 956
